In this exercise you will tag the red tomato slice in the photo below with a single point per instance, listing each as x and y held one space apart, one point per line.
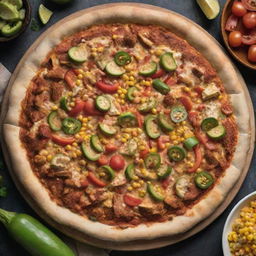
161 142
131 200
139 119
198 90
204 140
117 162
193 117
159 73
166 182
143 153
62 141
186 102
198 159
107 88
171 80
232 23
90 109
84 183
249 4
110 148
77 108
103 160
70 78
95 180
249 39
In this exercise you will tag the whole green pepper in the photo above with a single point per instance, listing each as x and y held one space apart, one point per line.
33 236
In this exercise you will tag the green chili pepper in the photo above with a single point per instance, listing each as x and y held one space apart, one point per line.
33 236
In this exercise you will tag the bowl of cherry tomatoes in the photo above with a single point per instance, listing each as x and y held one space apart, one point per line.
238 29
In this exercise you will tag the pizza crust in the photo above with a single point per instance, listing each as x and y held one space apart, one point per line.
127 13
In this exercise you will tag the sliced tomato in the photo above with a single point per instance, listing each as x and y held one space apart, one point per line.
204 140
158 74
131 200
193 117
103 160
84 183
139 119
198 90
200 107
110 148
198 158
77 108
90 109
249 4
62 141
166 182
117 162
232 23
107 88
161 142
170 80
143 153
70 78
95 180
249 39
186 102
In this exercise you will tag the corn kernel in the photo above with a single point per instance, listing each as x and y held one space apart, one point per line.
80 76
130 188
114 36
44 152
154 111
94 54
54 107
158 52
100 49
49 157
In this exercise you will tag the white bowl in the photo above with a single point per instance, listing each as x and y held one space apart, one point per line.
234 214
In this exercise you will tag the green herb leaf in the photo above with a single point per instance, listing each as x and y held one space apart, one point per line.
34 25
3 192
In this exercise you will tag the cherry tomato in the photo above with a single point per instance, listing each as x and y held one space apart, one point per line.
250 38
249 4
103 160
117 162
235 38
249 20
238 9
252 53
110 148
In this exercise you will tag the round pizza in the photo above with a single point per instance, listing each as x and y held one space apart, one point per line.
124 126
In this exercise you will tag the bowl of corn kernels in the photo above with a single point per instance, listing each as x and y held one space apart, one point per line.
239 234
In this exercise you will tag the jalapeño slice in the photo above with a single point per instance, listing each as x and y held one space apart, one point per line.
176 153
204 180
217 132
165 122
152 161
164 171
122 58
71 125
178 114
129 172
127 119
153 193
54 121
103 103
209 123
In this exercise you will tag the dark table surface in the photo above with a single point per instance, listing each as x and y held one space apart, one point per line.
208 241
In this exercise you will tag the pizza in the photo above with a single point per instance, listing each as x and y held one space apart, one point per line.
127 125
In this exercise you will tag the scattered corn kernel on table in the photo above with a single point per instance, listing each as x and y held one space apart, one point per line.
207 241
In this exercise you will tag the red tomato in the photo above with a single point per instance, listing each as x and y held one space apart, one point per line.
232 23
159 73
249 39
143 153
235 38
131 200
84 183
95 180
193 117
198 159
103 160
198 90
161 143
117 162
252 53
70 78
90 109
110 148
249 20
249 5
166 182
238 9
204 140
139 119
186 102
77 108
62 141
171 80
107 88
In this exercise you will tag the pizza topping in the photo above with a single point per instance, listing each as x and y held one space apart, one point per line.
151 127
64 103
148 69
107 88
54 121
78 54
106 172
129 172
152 161
113 69
155 192
131 200
147 106
102 103
165 122
209 123
62 141
130 93
203 180
71 125
96 144
217 132
117 162
122 58
198 159
130 148
176 153
182 186
164 171
167 61
60 161
178 114
107 129
127 119
161 87
191 142
211 91
95 180
89 153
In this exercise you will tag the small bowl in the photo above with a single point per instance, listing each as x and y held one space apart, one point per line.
234 214
239 53
26 21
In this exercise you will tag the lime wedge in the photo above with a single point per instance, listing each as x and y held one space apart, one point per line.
44 14
211 8
8 12
17 3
